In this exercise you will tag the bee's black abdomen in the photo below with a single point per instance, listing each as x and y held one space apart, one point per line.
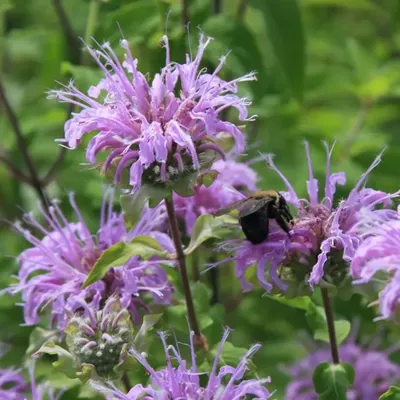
255 226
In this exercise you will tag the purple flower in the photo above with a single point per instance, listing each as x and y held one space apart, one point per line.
321 232
380 252
208 200
53 269
159 130
12 385
374 372
183 382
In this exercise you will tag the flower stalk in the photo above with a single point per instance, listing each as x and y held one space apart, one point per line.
180 256
331 325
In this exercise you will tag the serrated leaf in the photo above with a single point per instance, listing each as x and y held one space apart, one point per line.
331 381
148 322
285 32
392 394
132 204
121 252
207 227
65 362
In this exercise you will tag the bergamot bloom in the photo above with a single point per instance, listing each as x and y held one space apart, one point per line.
377 259
159 131
181 379
63 252
324 237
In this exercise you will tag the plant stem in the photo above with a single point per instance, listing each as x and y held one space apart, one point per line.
126 381
185 13
176 237
331 325
36 183
69 34
216 7
91 22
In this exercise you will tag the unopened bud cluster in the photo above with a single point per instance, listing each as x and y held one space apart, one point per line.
100 338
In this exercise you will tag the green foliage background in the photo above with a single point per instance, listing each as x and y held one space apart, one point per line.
327 70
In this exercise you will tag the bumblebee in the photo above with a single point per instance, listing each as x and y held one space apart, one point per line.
256 211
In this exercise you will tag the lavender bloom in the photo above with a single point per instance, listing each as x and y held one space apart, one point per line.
53 270
183 382
12 385
208 200
380 252
320 231
158 131
374 372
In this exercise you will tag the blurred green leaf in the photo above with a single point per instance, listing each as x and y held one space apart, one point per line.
120 253
65 362
342 329
392 394
206 227
357 4
285 30
38 338
331 381
84 77
235 36
132 204
148 323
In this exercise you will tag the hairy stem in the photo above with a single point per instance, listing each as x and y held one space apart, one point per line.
331 325
36 183
176 237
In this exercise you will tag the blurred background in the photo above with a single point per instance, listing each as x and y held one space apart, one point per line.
327 70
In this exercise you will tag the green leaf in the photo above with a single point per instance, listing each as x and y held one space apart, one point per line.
342 329
317 321
230 355
355 4
207 227
302 303
285 32
132 204
148 322
38 338
65 362
331 381
392 394
121 252
201 297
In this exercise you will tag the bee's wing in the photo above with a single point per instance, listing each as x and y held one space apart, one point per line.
237 205
252 205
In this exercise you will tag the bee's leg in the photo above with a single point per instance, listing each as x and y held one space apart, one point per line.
285 213
283 223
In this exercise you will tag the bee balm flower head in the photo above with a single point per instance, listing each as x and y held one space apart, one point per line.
159 131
